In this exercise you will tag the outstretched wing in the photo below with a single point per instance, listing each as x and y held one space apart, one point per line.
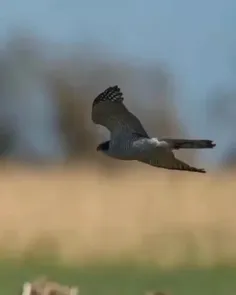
109 111
164 158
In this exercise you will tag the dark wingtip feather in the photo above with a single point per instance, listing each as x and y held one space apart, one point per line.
198 170
201 171
112 94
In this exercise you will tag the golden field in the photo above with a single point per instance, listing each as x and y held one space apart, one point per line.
142 214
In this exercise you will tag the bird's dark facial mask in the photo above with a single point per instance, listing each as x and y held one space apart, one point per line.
104 146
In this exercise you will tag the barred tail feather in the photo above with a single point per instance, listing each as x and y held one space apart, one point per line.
189 143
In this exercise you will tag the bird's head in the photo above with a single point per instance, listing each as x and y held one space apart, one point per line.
103 147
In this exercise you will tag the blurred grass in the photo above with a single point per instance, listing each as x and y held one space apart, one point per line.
121 279
117 234
83 215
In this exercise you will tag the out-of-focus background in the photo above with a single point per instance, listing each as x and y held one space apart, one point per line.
109 226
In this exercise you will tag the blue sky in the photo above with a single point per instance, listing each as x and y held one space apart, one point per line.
196 38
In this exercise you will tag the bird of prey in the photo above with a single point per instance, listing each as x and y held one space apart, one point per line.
130 141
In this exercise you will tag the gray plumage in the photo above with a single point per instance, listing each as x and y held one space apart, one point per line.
130 141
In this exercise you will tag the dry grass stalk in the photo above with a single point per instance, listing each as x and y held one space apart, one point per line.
42 286
156 293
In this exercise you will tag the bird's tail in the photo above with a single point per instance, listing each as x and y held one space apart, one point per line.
189 143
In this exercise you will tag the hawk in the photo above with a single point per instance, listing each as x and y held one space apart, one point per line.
130 141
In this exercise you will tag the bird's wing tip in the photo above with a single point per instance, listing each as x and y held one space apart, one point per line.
110 94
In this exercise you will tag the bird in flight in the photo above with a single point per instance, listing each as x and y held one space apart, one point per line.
130 141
